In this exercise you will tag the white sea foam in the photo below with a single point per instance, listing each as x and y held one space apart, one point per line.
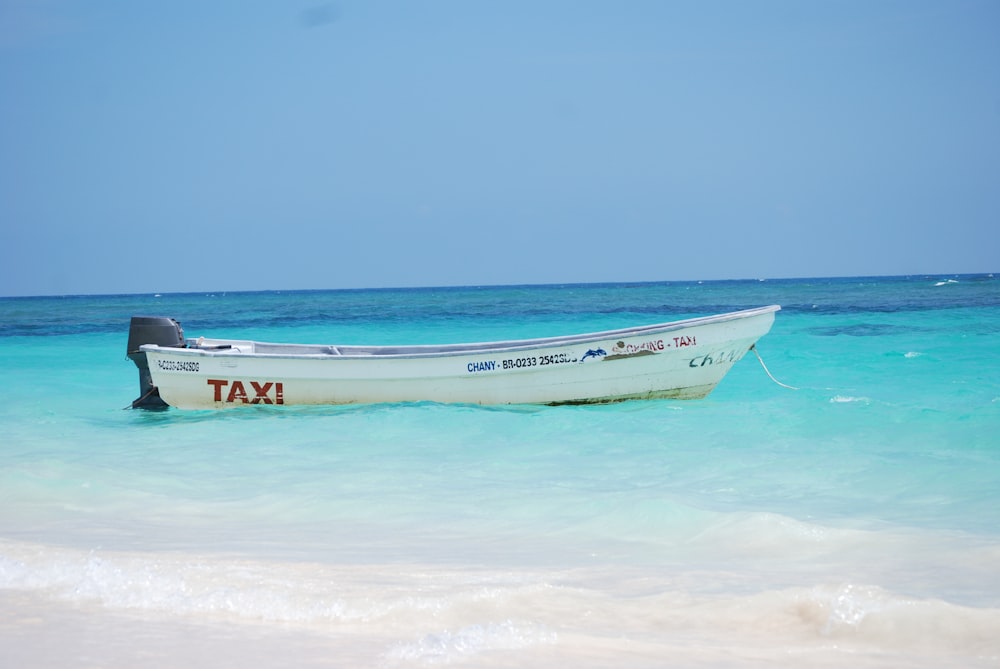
475 617
252 590
844 399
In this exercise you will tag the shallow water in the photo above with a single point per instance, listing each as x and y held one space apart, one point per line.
855 520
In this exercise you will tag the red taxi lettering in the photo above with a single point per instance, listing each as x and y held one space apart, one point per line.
237 393
218 384
261 392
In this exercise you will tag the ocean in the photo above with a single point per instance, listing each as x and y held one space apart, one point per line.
853 521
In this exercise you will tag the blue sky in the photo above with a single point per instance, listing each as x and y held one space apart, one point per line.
244 145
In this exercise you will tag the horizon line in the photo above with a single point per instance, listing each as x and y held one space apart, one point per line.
505 285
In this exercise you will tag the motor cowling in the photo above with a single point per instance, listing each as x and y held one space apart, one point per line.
157 330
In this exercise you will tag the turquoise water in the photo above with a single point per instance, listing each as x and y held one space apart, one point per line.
855 520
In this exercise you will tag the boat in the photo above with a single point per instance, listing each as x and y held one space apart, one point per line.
682 359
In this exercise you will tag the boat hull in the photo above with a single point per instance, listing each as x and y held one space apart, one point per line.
682 360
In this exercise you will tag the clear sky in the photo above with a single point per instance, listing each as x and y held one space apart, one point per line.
246 145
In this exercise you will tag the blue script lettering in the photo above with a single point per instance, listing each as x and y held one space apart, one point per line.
484 366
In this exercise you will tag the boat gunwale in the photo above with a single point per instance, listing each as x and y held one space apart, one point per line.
362 352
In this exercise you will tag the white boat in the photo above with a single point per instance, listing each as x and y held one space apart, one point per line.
682 359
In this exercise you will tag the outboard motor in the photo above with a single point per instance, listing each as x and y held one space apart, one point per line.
151 330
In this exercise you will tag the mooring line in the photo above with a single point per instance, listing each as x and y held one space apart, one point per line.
767 371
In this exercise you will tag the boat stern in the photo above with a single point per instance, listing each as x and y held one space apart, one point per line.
158 330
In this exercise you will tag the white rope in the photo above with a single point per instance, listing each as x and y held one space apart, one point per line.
766 370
